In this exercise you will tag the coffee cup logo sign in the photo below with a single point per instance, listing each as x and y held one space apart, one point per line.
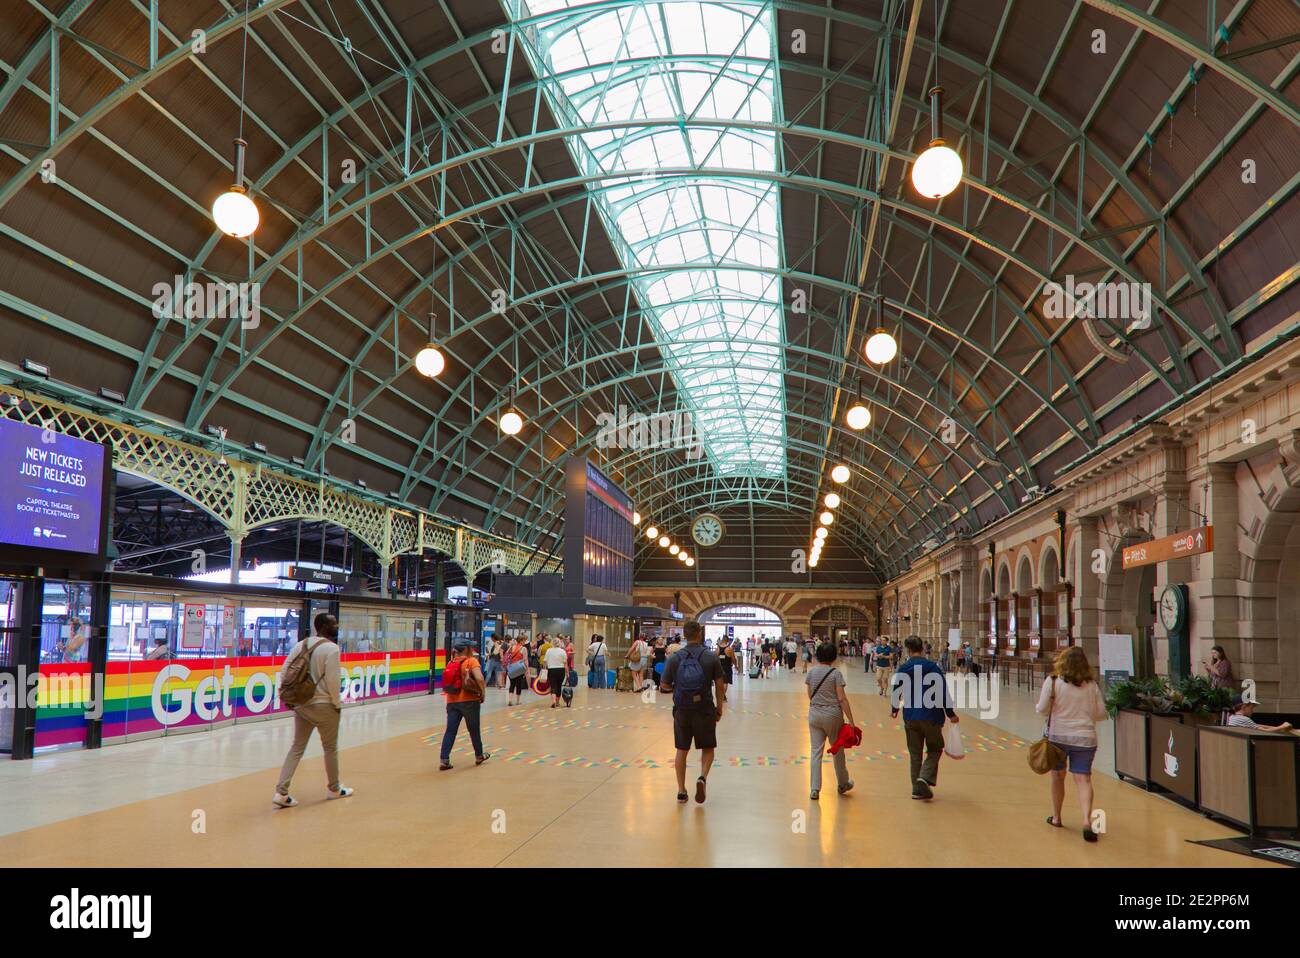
1171 761
211 699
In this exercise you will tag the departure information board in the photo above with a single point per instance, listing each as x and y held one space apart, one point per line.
599 538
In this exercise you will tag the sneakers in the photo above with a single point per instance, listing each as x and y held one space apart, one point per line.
846 787
699 790
921 790
814 794
283 801
343 792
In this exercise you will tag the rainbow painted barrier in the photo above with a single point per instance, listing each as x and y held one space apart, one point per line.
144 698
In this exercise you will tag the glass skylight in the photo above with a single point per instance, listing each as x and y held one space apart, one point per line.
706 245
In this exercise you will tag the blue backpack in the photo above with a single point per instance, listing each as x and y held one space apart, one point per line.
690 683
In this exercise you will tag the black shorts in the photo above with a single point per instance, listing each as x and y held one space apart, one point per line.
555 679
518 683
700 725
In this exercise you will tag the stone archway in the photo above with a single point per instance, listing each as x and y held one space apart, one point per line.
1127 606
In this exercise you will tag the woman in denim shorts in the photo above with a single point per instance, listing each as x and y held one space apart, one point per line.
1072 702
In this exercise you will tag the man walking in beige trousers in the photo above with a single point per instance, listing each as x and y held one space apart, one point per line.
321 713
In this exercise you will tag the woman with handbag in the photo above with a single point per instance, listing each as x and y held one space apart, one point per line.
828 710
516 659
638 660
1072 703
596 653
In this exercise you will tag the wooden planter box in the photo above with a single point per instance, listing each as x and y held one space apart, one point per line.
1132 741
1144 755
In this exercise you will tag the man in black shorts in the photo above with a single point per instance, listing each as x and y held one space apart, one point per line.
692 675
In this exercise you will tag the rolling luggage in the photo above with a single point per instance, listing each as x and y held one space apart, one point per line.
624 681
754 670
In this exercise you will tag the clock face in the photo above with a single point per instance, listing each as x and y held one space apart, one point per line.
1170 613
707 530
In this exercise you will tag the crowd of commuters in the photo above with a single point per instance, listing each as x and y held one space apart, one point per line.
698 677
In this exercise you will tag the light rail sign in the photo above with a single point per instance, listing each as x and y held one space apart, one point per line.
1192 543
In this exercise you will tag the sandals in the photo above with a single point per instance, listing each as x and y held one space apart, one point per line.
682 798
1088 834
444 767
482 758
1054 824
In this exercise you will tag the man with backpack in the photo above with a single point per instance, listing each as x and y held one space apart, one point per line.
309 684
692 676
462 683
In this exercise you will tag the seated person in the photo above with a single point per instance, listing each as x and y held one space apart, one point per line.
1240 718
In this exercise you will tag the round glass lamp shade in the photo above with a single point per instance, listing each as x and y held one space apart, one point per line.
812 560
690 562
881 348
820 534
429 361
682 556
858 417
840 473
674 549
832 500
652 533
663 542
511 423
937 171
826 518
235 214
636 518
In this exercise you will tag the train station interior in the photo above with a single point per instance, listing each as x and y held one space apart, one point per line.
493 404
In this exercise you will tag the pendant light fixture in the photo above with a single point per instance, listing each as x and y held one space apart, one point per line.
652 533
938 170
881 346
511 420
636 518
859 416
832 500
234 211
429 361
826 518
840 473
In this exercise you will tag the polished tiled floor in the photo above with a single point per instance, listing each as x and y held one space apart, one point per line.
591 785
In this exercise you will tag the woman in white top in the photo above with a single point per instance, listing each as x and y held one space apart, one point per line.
596 653
1072 703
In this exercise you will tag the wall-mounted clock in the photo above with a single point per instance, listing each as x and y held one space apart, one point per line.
707 530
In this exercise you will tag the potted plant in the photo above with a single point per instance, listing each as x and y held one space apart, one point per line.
1132 702
1202 701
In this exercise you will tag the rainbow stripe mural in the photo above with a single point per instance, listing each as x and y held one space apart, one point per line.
146 697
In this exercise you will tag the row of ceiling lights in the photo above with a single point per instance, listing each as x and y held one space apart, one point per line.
935 174
665 542
831 501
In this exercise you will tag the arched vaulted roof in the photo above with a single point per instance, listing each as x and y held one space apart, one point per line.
689 208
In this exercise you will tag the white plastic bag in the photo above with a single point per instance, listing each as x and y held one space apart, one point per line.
952 746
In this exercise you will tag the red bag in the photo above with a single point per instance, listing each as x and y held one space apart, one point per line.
452 680
850 737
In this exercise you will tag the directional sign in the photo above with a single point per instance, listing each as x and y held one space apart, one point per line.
1193 543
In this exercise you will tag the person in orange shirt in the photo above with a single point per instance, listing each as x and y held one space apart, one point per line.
464 687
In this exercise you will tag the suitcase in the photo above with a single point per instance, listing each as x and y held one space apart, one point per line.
624 681
566 693
753 671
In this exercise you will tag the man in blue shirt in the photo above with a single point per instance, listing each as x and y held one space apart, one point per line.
884 657
920 690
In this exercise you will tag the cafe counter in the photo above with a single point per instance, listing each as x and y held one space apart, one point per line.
1249 778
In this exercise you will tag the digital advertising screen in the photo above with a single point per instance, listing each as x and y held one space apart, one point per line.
51 490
